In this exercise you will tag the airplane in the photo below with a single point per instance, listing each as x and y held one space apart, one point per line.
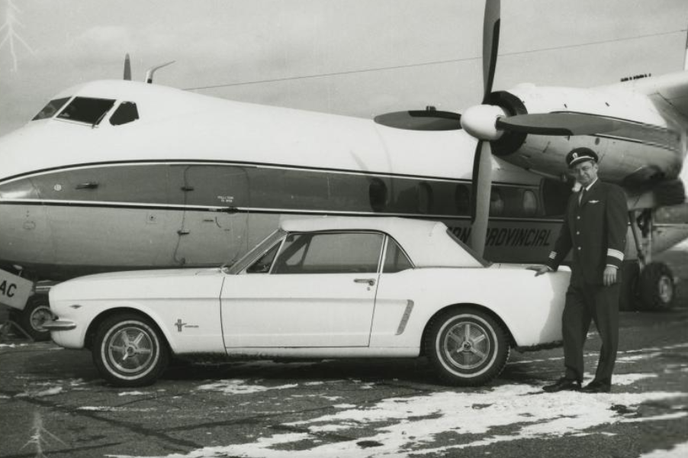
120 175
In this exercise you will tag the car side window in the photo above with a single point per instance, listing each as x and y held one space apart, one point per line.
263 264
330 252
395 258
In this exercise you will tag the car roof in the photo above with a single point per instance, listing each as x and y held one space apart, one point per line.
427 243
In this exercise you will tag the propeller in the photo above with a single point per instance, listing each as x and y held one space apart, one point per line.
488 122
429 120
482 162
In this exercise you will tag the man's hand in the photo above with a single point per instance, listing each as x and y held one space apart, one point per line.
609 276
539 270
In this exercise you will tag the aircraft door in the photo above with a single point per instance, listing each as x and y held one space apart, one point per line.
214 226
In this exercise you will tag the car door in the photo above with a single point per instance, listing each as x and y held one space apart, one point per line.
309 290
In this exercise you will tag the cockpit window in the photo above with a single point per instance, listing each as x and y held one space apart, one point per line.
87 110
51 108
126 112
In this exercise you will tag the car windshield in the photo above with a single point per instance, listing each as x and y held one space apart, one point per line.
469 250
261 248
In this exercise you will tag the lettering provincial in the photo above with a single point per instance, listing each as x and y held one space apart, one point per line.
509 237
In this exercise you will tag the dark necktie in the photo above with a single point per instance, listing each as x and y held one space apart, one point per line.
581 196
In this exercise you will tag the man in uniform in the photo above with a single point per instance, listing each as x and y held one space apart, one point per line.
594 227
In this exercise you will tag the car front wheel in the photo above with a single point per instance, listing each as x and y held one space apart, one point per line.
467 347
129 350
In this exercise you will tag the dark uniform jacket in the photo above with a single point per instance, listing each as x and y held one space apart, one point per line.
595 230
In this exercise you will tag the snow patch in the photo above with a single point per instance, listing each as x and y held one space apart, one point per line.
233 387
403 426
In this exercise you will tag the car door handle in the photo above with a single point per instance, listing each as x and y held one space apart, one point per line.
370 281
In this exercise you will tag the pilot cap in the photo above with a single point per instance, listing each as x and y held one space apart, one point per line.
578 155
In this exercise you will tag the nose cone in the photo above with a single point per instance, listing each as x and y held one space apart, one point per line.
480 121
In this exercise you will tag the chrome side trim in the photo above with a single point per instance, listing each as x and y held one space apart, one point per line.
405 317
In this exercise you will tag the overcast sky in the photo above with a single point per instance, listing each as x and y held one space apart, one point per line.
352 57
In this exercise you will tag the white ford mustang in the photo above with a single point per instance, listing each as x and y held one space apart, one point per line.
324 287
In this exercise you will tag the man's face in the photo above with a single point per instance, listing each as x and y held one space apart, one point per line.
585 172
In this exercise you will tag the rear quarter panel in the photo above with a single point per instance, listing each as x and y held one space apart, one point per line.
531 307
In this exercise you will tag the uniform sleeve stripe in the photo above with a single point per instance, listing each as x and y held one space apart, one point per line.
553 255
615 254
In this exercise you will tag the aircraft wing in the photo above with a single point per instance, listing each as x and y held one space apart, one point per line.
671 89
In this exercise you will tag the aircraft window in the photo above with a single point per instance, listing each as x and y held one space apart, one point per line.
51 108
462 199
424 198
308 190
125 113
395 258
496 202
329 253
530 203
87 110
377 192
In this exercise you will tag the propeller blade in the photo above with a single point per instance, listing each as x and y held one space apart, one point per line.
490 44
127 68
429 120
480 196
558 123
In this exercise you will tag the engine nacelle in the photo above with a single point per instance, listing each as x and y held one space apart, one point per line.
646 147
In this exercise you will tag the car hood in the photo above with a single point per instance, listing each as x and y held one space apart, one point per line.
135 284
147 274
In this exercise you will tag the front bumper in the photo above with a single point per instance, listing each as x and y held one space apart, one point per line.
59 325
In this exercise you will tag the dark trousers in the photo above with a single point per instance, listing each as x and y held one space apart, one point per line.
585 302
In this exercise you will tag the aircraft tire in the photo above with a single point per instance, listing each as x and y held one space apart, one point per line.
477 358
657 287
34 316
129 350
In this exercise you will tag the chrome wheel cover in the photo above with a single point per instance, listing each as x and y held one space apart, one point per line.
130 350
467 346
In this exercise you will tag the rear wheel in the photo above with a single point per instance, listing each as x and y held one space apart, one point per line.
129 350
467 347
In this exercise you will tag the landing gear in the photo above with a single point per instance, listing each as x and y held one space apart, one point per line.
656 286
647 285
34 316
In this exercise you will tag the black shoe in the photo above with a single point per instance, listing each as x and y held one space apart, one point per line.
597 387
563 384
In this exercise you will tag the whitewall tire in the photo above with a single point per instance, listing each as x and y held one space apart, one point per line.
129 350
467 347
